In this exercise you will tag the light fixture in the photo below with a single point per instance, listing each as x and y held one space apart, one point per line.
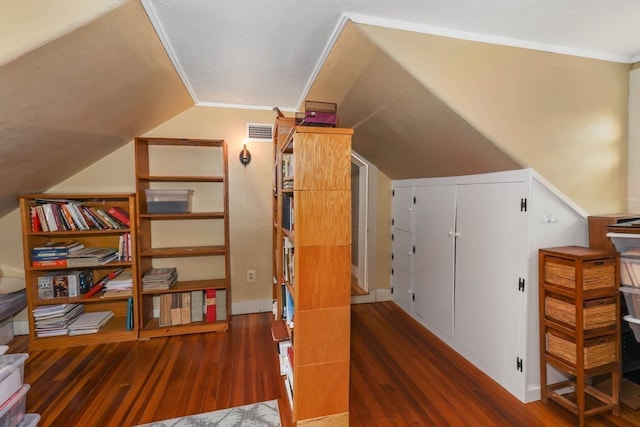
245 155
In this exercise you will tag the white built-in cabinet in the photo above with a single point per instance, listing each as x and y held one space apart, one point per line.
465 264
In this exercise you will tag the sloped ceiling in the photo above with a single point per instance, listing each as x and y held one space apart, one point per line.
79 97
400 125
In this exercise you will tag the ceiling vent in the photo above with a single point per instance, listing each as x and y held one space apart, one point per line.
259 132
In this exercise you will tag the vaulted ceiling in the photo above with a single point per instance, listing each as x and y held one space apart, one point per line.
102 72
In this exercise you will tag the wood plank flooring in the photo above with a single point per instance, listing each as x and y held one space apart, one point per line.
401 375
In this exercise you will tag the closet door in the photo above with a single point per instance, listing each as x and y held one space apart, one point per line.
434 239
489 308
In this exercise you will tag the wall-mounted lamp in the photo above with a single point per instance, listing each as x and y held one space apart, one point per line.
245 155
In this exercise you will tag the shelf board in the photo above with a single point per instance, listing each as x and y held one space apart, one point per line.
113 331
190 285
181 178
152 329
111 265
186 251
190 215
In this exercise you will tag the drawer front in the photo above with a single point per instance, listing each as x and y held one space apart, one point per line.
598 313
597 351
596 274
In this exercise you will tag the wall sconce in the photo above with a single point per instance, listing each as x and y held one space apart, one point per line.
245 155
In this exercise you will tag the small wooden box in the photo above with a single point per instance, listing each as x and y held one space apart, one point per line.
596 274
598 313
597 351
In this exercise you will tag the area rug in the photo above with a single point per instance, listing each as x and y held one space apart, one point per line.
263 414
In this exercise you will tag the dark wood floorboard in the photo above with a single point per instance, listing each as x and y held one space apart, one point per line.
401 375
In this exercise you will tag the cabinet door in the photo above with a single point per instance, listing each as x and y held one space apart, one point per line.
402 208
402 268
489 308
434 238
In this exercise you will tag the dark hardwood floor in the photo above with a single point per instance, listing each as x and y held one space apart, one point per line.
400 376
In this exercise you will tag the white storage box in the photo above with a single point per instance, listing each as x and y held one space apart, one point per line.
11 374
12 411
169 201
30 420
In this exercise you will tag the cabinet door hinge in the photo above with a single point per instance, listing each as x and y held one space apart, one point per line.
392 257
523 204
393 221
414 200
521 284
413 297
392 289
519 363
393 193
392 271
414 249
392 236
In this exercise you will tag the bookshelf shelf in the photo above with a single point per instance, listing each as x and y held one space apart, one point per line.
116 328
194 241
311 201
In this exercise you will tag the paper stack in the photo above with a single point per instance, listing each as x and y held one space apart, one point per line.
89 322
52 320
159 278
120 286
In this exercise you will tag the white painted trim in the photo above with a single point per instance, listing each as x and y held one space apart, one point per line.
252 306
376 296
342 22
243 106
20 327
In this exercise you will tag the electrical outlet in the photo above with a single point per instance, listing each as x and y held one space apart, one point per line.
251 275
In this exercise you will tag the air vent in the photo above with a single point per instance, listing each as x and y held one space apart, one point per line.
259 132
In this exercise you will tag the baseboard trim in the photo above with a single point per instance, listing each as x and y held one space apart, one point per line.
252 306
376 296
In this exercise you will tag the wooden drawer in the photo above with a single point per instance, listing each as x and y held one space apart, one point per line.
596 274
597 313
597 351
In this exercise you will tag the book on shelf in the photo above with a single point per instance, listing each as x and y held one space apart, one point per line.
130 325
119 214
61 284
176 309
165 310
89 322
197 306
159 278
61 262
87 257
210 303
185 315
53 320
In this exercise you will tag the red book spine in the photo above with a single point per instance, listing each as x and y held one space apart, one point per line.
211 305
119 214
50 263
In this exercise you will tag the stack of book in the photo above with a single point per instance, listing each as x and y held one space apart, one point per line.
89 323
120 286
54 253
88 257
159 278
52 320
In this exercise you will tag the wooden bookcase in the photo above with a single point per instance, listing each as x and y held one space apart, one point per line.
195 241
317 185
579 327
116 329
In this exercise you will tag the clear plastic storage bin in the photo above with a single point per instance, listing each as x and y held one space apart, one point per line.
11 374
168 201
12 411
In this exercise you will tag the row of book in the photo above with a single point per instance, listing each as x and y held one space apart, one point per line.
159 278
285 351
287 211
74 254
70 215
288 262
62 284
288 164
181 308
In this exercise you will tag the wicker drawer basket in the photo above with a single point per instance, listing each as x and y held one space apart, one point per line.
596 274
597 351
599 313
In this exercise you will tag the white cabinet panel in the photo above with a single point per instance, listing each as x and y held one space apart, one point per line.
489 263
402 268
434 258
402 208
